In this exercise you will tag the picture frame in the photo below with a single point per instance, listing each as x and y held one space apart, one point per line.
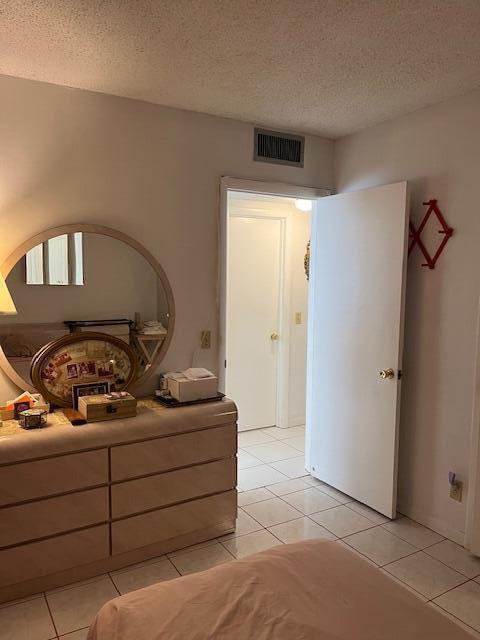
88 389
18 407
82 359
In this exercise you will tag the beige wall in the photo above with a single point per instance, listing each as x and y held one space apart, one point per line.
72 156
438 151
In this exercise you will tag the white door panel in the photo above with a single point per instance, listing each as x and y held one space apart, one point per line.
356 309
253 305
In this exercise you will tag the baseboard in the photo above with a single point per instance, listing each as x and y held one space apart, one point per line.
298 421
433 523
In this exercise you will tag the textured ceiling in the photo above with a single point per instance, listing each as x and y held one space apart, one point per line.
328 67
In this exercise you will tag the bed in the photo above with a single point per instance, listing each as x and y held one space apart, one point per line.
312 590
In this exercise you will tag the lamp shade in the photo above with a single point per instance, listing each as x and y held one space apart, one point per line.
7 308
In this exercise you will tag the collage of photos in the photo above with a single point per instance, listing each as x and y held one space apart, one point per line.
91 366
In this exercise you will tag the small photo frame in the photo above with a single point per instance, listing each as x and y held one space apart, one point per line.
105 369
87 369
88 389
72 371
61 358
18 407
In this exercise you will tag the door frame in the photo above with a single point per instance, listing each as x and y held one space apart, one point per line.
472 525
254 187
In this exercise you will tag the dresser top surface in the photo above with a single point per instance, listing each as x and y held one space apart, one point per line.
152 421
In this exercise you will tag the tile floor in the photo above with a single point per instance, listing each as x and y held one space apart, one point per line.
278 503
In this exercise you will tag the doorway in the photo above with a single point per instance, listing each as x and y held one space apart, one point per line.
355 336
266 308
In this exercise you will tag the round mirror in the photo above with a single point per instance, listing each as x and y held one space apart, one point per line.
81 278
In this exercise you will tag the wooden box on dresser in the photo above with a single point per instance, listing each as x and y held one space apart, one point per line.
78 501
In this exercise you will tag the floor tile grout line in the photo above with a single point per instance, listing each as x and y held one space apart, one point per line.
15 601
447 565
380 566
272 534
444 563
438 560
78 583
384 568
114 585
73 631
50 613
186 552
271 525
374 524
271 461
477 631
228 550
364 516
451 589
403 582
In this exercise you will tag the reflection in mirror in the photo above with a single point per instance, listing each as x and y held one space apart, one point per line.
57 261
83 281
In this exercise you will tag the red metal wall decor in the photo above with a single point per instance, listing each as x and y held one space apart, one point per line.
415 234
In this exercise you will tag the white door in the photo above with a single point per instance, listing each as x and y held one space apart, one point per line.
255 248
356 310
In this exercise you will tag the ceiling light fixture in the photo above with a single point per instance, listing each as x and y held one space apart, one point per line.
303 205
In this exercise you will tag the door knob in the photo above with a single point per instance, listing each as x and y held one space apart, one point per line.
274 336
386 374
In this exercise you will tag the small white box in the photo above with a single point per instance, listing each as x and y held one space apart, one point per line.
184 389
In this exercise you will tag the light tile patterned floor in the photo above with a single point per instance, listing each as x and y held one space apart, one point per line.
278 503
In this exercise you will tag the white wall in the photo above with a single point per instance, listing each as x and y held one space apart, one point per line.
71 156
118 282
438 151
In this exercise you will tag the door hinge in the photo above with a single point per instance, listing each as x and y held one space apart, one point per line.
225 364
399 374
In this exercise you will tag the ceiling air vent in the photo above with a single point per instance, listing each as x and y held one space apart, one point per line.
278 147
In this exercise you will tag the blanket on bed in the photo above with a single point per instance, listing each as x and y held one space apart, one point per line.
312 590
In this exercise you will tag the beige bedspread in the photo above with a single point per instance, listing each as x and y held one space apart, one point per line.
312 590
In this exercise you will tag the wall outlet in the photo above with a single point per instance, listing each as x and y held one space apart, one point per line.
206 340
456 490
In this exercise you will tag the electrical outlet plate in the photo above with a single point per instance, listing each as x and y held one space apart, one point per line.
206 340
456 490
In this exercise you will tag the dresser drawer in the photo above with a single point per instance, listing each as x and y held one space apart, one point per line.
53 515
172 452
42 478
163 524
134 496
37 559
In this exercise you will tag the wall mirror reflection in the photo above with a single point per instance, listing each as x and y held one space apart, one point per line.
85 280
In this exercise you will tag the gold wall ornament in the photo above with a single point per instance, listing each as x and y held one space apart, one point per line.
306 261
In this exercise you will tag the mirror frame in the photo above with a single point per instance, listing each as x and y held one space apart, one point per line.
22 249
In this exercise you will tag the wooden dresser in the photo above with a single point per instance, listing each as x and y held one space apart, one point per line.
78 501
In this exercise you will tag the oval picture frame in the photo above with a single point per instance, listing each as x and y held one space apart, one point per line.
49 365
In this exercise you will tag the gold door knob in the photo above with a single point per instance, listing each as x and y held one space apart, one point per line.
274 336
386 374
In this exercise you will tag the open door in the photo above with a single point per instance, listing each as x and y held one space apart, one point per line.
356 313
